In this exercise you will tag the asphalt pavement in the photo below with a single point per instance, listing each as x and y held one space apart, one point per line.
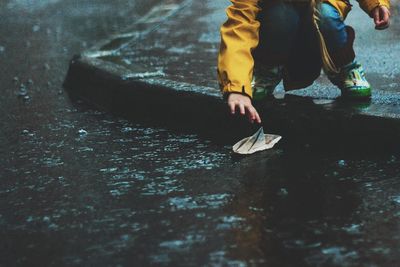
81 185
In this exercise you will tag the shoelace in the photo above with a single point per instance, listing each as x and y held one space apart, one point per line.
357 74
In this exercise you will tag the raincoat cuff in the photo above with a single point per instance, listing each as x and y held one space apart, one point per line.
243 90
225 95
368 6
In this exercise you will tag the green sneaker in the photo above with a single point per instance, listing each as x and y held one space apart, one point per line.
352 82
265 80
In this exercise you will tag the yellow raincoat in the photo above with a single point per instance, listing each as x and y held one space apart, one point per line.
240 36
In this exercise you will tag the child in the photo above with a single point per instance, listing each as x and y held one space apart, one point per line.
290 40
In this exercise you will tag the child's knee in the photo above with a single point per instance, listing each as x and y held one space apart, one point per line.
332 26
330 19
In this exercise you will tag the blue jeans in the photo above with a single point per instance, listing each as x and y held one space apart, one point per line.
285 25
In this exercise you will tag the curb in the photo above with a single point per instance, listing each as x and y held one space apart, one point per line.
190 108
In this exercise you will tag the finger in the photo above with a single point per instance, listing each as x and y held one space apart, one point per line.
250 118
242 110
258 119
254 114
386 16
375 15
251 114
232 107
382 25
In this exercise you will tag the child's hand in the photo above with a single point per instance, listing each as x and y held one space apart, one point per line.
243 103
381 16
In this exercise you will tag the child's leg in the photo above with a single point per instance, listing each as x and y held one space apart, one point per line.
279 26
333 29
339 40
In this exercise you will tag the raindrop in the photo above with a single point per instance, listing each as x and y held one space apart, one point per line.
82 132
22 92
35 28
200 215
397 199
2 49
283 192
53 226
30 82
393 159
342 163
15 79
46 66
127 129
125 237
352 229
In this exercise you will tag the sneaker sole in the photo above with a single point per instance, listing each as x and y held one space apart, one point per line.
357 94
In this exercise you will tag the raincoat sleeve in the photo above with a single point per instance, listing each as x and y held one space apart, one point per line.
369 5
239 36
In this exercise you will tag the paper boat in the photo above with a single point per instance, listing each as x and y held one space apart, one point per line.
257 142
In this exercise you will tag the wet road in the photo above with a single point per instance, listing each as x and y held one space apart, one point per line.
81 187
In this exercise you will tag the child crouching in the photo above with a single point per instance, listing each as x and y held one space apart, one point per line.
264 42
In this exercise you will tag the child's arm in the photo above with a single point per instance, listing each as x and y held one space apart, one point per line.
239 36
378 10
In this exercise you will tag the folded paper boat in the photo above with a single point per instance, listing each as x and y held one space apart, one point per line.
257 142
